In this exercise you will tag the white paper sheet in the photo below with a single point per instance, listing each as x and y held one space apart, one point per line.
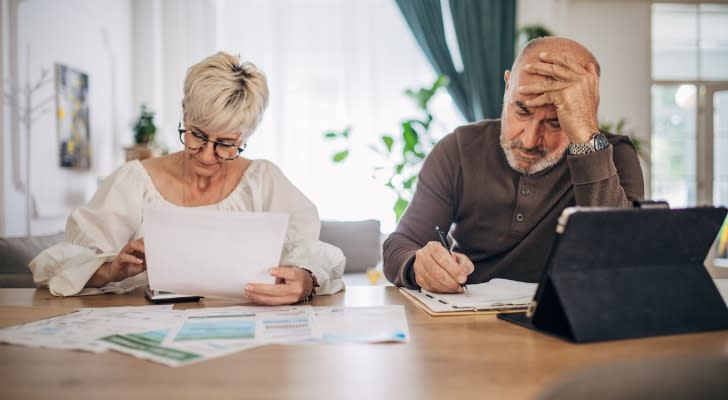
211 253
148 346
241 324
79 330
381 324
495 294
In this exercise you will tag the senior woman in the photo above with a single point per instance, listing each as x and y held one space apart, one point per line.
223 103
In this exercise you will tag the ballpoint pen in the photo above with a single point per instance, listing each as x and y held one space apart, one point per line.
443 241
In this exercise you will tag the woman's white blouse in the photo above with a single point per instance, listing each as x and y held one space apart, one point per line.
96 232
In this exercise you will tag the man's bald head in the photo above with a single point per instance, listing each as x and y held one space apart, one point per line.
555 45
532 137
552 45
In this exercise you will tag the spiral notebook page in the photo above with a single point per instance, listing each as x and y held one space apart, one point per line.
496 294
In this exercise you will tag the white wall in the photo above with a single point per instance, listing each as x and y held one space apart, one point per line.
92 36
621 43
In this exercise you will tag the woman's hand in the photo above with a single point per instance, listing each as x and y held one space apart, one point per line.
129 262
292 285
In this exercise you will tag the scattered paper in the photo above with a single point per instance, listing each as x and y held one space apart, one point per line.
181 337
149 346
80 329
362 324
244 325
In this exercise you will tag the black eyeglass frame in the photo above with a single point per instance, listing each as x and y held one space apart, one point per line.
206 140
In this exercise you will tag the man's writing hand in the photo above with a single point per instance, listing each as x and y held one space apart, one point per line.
439 271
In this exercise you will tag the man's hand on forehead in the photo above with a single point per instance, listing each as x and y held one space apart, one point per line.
569 86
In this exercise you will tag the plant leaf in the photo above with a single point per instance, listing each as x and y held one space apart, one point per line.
410 136
399 207
442 81
407 184
388 141
340 156
330 135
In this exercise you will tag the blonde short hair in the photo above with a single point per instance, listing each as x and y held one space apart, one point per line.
222 94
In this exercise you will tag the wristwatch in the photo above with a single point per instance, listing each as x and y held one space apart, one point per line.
597 142
314 285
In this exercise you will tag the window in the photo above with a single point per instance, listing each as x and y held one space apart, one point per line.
332 64
689 110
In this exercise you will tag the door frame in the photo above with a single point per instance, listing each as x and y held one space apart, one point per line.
705 141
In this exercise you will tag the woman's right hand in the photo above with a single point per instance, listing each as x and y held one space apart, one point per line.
129 262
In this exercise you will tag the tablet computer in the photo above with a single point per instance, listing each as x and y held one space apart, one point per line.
628 273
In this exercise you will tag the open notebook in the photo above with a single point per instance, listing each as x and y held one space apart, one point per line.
494 296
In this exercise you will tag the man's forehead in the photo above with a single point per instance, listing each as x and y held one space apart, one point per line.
526 78
519 101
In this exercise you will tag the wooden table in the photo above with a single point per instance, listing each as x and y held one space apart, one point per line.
447 358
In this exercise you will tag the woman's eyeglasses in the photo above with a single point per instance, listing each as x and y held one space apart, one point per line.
196 141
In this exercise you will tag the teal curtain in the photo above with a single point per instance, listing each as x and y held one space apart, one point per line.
486 33
424 18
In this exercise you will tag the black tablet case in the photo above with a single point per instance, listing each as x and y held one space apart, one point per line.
628 273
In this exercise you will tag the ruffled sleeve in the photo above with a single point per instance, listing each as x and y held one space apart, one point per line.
273 192
94 235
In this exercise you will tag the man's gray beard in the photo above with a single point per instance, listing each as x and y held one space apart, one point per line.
540 165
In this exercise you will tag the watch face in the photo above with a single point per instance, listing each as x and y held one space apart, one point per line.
600 141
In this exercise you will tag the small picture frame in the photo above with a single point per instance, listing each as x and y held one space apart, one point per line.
72 117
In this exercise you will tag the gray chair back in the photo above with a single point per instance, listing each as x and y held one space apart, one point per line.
358 240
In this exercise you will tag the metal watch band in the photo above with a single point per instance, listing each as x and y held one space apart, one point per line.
597 142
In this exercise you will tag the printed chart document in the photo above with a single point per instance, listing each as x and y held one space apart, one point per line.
182 337
243 324
382 324
496 295
79 330
149 346
211 253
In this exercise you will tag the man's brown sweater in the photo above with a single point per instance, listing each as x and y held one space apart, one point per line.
504 221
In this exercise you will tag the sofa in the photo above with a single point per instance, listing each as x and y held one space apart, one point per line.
16 253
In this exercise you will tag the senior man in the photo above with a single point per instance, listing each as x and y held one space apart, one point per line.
500 185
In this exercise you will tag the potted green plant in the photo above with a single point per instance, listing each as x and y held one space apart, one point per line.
144 131
144 128
403 153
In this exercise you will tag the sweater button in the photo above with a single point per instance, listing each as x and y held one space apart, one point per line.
525 191
520 217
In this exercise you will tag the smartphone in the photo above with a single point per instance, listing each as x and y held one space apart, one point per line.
160 297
